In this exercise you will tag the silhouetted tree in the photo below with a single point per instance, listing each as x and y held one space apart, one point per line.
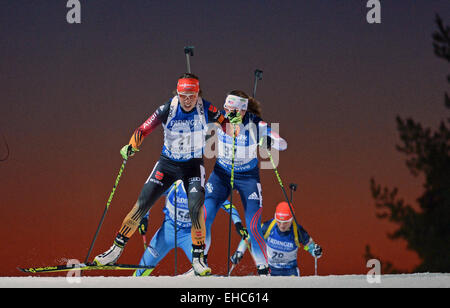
7 150
426 230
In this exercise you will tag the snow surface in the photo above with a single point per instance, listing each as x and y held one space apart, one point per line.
425 280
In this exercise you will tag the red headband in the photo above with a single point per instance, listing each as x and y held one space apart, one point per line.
188 85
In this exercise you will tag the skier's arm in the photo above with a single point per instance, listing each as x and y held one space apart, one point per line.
158 117
264 227
241 230
308 243
218 118
234 212
215 116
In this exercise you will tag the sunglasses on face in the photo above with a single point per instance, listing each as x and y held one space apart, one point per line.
187 95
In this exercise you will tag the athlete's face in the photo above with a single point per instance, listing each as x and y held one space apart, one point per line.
188 100
284 225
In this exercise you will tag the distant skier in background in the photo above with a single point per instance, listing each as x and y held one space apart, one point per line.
283 238
184 119
163 240
245 113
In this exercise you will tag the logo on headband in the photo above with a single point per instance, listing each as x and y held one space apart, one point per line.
188 85
236 102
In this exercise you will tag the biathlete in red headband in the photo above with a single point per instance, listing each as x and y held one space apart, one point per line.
184 119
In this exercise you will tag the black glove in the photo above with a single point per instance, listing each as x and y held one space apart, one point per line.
236 257
241 230
266 142
143 226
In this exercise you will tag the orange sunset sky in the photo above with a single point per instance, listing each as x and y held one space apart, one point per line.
72 94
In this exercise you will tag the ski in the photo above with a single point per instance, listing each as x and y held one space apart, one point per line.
82 267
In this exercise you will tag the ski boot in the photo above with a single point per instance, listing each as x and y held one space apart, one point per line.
198 262
112 254
263 270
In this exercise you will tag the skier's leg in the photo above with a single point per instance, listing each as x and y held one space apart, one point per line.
194 181
185 242
217 191
196 198
159 181
158 248
251 196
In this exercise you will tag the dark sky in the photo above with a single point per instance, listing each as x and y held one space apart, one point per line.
72 94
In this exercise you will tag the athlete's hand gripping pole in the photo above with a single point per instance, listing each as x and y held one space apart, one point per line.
106 209
143 227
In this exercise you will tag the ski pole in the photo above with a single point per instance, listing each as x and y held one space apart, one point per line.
293 187
106 209
279 179
189 51
175 226
243 250
231 200
144 240
315 266
258 76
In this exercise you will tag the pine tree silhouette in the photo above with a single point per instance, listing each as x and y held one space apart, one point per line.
426 230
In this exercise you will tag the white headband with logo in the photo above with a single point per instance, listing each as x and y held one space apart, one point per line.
236 102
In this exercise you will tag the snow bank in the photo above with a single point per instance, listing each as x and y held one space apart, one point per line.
426 280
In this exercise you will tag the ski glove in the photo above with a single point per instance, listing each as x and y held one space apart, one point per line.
127 151
143 226
241 230
236 257
235 118
266 142
315 250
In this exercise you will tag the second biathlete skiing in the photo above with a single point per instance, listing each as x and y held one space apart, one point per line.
245 113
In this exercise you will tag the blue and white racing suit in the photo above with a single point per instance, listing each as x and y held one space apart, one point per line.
246 179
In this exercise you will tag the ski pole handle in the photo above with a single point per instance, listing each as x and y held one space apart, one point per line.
189 51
